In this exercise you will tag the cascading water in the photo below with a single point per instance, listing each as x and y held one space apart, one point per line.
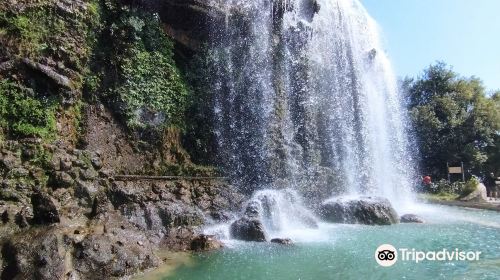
305 99
281 211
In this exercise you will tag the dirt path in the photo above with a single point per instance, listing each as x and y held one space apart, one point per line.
487 205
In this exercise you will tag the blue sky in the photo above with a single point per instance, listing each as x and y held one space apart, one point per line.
463 33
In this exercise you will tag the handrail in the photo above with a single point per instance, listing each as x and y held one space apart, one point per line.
150 177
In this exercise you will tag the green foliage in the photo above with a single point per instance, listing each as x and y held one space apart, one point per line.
454 120
45 30
457 189
199 137
27 30
443 186
60 36
23 115
469 187
137 72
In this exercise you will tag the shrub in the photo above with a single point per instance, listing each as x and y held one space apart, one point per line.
469 186
457 188
23 115
443 186
139 77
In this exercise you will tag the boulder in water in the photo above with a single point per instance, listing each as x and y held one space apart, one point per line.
362 210
205 242
248 229
411 218
282 241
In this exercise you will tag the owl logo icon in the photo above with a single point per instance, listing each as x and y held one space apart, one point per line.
386 255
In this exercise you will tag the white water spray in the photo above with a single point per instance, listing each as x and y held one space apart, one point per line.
305 99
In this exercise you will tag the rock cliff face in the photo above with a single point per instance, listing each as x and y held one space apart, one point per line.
77 108
186 21
87 224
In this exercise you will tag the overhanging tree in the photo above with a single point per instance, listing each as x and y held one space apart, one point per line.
454 120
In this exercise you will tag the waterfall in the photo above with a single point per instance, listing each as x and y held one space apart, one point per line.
281 211
305 98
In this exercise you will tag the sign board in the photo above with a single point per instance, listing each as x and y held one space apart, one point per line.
455 170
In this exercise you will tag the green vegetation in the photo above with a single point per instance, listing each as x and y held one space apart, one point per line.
455 121
439 196
136 70
25 115
452 190
59 37
104 52
198 135
45 30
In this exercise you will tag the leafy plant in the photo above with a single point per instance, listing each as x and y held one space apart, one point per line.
138 74
458 189
23 115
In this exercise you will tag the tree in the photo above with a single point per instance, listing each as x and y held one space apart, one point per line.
453 120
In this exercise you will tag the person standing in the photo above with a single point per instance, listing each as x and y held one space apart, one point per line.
489 183
427 180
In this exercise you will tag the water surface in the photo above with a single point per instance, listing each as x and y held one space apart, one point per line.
347 251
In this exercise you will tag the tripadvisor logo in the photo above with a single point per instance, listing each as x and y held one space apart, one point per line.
387 255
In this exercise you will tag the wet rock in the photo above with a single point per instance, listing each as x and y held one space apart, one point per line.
205 243
159 216
80 163
252 210
248 229
86 191
221 216
49 261
35 255
63 180
88 174
179 238
411 218
5 217
100 205
183 192
97 257
96 162
282 241
44 209
65 164
9 161
21 219
362 210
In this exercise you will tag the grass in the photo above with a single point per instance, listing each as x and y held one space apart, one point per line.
442 196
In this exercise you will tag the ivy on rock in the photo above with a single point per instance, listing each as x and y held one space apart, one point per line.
136 71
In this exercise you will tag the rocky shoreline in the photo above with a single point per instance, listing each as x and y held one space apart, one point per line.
85 224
